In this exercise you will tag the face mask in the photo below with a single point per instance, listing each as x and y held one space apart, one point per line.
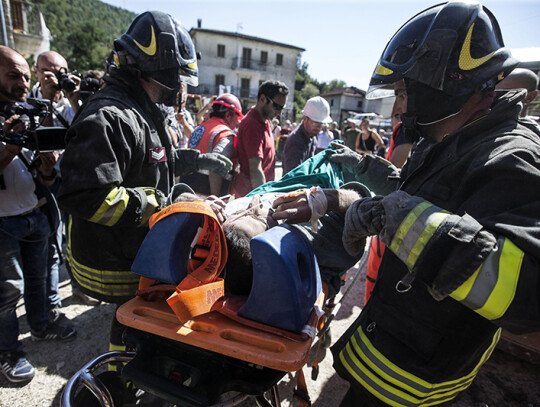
166 95
426 105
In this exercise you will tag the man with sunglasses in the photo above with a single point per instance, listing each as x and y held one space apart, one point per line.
255 144
302 143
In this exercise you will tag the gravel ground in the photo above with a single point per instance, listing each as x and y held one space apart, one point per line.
503 381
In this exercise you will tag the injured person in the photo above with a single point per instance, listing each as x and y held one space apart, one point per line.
324 213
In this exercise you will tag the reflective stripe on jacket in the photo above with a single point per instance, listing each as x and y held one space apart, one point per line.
424 345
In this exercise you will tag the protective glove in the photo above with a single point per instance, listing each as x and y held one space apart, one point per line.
383 216
364 218
378 174
214 162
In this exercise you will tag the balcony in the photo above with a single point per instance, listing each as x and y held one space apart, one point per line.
249 64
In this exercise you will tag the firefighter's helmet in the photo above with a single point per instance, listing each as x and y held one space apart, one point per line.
159 47
445 54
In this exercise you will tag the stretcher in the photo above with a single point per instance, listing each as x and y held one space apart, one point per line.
221 357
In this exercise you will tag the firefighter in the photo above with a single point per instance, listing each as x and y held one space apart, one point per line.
462 234
119 165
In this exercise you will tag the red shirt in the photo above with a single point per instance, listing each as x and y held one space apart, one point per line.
254 139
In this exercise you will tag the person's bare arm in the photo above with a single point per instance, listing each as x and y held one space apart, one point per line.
378 141
173 135
400 154
188 129
215 182
256 174
294 208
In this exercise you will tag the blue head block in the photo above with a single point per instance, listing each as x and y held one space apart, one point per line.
286 279
165 251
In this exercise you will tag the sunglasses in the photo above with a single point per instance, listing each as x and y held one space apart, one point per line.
277 106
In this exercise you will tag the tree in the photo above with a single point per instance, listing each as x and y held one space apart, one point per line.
88 49
334 84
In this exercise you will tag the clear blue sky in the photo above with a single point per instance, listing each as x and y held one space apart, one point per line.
344 38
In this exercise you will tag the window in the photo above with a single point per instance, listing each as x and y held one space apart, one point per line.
359 104
221 51
246 58
331 102
220 80
264 57
244 87
279 59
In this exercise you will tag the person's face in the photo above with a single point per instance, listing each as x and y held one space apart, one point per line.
49 64
14 79
400 104
273 106
232 119
312 127
253 222
364 125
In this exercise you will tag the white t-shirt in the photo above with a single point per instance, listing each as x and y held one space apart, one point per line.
17 187
324 138
61 108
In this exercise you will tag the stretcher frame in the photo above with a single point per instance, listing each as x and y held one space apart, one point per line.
213 332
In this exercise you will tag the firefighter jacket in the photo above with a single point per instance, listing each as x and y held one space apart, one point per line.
434 319
117 168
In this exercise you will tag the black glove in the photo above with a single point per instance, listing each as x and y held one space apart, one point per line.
378 174
214 162
364 218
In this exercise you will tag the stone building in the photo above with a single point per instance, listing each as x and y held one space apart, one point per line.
239 63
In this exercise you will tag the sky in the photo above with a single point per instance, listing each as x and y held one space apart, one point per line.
343 39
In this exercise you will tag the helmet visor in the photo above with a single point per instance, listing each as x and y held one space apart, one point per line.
187 57
399 55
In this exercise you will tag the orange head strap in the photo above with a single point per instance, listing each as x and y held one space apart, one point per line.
201 290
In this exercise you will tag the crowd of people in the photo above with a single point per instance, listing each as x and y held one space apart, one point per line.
452 209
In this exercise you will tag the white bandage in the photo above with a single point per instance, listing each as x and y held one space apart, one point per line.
317 203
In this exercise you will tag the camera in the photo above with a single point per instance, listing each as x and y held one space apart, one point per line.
64 81
89 86
41 139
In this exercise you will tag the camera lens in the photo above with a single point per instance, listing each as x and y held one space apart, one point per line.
65 82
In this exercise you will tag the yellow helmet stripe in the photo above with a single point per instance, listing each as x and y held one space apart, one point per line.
150 50
466 61
381 70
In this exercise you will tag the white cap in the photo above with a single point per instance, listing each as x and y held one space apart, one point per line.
318 110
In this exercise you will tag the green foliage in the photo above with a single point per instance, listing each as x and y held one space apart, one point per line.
83 31
307 87
334 84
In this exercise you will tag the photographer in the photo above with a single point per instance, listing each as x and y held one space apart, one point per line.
58 86
23 232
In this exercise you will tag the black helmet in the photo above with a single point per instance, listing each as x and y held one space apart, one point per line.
453 49
160 47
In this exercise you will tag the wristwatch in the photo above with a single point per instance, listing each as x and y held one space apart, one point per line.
51 177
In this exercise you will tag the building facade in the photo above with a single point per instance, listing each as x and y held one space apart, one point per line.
345 102
23 27
239 63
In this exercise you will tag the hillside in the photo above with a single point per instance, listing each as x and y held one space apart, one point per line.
83 30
